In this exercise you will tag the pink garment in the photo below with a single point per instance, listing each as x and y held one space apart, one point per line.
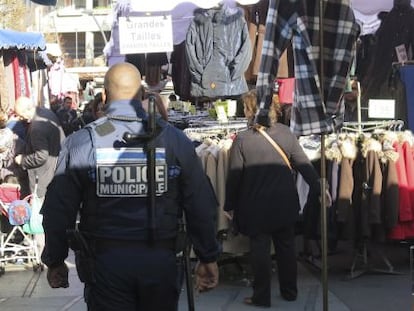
409 169
21 82
286 90
405 226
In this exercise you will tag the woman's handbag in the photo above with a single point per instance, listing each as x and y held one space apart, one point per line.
275 145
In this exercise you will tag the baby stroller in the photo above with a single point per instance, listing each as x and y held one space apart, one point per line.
16 245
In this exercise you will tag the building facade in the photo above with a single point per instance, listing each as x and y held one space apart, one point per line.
80 28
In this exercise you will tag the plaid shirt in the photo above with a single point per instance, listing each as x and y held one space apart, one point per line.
297 22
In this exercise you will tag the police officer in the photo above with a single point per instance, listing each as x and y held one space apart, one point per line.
103 178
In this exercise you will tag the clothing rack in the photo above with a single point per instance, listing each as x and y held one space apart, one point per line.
369 126
201 126
400 64
365 250
360 263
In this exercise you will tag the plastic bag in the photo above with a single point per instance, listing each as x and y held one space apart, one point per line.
34 226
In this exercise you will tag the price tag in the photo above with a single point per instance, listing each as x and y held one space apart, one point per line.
221 113
401 53
381 108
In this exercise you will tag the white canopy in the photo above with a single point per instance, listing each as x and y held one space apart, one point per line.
366 7
152 6
373 7
366 13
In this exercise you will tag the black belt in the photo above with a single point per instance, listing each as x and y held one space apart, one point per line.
107 244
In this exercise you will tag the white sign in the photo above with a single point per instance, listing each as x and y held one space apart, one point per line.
231 107
401 53
147 34
381 108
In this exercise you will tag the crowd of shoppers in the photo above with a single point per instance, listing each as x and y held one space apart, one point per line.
261 196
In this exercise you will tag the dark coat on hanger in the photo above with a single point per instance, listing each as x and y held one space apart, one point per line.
218 52
396 29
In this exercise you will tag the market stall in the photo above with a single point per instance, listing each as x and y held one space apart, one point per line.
16 69
321 73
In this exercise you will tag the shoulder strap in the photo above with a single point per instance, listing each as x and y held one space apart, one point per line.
275 145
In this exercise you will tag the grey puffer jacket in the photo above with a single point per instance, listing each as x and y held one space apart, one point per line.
218 52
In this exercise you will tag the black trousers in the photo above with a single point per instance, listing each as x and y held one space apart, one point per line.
134 279
261 262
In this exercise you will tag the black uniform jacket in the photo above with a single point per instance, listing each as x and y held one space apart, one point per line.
73 189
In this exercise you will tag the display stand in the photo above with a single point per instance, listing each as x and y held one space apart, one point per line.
323 181
361 260
361 265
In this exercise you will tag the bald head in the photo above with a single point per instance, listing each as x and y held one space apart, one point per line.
24 108
122 81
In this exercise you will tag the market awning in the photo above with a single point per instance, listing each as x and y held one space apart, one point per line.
11 39
45 2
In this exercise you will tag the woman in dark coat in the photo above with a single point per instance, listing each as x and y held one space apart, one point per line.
262 199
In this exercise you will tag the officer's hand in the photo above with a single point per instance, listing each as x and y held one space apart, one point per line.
207 276
58 276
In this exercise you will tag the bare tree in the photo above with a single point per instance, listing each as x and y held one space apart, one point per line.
13 14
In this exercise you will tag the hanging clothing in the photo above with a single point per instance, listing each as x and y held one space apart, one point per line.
256 19
396 30
180 73
365 51
218 52
405 227
21 81
407 77
55 80
298 22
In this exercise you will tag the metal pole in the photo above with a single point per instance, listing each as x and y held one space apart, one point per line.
324 230
91 13
76 47
359 107
100 28
151 170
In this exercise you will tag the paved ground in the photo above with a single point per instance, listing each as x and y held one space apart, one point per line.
22 289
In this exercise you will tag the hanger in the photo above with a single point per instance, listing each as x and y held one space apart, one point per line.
369 126
397 65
